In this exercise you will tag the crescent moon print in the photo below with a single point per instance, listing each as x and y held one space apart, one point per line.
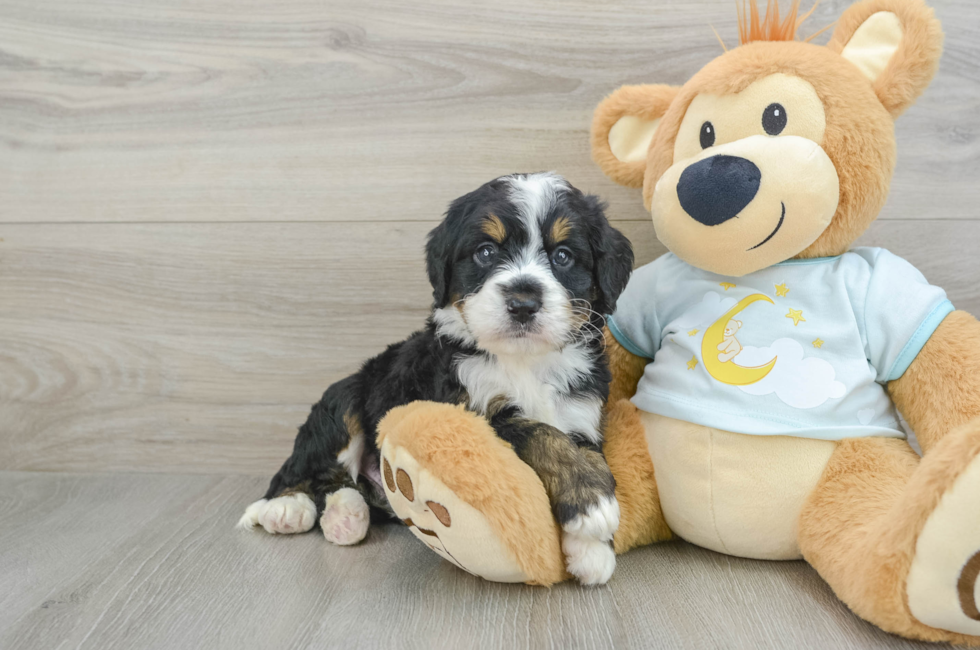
717 350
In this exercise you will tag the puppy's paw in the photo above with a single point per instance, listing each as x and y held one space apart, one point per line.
250 519
586 542
345 518
588 559
599 521
292 513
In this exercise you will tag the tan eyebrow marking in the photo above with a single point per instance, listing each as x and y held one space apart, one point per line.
494 227
560 229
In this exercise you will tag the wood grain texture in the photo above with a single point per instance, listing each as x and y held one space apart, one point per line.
235 110
199 347
122 561
211 209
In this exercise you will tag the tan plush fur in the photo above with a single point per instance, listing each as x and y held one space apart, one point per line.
859 527
941 389
648 102
461 449
859 138
626 369
913 66
641 520
753 27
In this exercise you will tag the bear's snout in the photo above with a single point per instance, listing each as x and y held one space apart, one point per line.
716 189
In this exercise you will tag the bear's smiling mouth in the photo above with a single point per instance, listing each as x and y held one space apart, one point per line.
778 226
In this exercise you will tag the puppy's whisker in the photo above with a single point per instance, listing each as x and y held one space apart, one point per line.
463 299
585 333
589 316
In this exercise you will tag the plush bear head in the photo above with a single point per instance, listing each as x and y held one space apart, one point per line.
732 328
778 148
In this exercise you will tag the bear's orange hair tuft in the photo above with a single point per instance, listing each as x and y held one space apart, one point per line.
770 28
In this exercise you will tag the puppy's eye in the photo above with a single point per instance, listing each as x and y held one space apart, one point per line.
774 119
707 135
485 254
562 257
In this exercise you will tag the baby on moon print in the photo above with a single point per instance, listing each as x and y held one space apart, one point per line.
782 369
719 348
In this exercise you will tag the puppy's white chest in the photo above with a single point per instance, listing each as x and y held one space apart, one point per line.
540 388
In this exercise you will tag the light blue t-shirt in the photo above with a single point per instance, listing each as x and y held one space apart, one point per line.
803 348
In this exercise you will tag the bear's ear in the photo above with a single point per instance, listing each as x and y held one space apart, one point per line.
623 127
896 44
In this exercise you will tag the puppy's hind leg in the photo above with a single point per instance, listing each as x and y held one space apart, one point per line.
346 517
289 512
319 481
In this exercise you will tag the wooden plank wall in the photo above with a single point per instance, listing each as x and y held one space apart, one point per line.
211 209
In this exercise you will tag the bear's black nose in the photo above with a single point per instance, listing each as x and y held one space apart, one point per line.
716 189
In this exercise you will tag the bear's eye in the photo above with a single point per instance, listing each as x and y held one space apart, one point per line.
774 119
707 135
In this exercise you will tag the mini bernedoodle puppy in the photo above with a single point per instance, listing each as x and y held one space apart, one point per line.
522 270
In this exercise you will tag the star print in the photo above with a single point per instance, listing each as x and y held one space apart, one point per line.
693 332
781 290
818 343
726 285
693 362
796 315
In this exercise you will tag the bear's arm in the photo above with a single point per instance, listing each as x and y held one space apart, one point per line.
626 368
941 388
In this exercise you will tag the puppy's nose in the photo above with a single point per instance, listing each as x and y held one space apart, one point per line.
716 189
522 307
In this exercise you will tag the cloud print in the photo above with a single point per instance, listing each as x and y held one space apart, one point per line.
706 312
798 382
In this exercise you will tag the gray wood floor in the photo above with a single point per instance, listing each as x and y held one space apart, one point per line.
128 561
211 209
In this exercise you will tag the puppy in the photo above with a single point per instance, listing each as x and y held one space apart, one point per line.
522 270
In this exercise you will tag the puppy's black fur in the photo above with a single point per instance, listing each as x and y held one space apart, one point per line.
424 366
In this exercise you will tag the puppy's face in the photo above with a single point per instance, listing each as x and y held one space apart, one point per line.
524 265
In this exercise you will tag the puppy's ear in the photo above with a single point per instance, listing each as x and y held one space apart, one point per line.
895 43
623 128
439 262
613 258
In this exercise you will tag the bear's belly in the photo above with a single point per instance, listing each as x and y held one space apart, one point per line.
730 492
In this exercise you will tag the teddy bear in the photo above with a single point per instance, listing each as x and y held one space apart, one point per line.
730 347
759 174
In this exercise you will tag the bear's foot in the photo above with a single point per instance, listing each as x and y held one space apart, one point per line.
898 538
452 528
942 588
465 494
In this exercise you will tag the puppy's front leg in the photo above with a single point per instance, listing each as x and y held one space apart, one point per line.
581 489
